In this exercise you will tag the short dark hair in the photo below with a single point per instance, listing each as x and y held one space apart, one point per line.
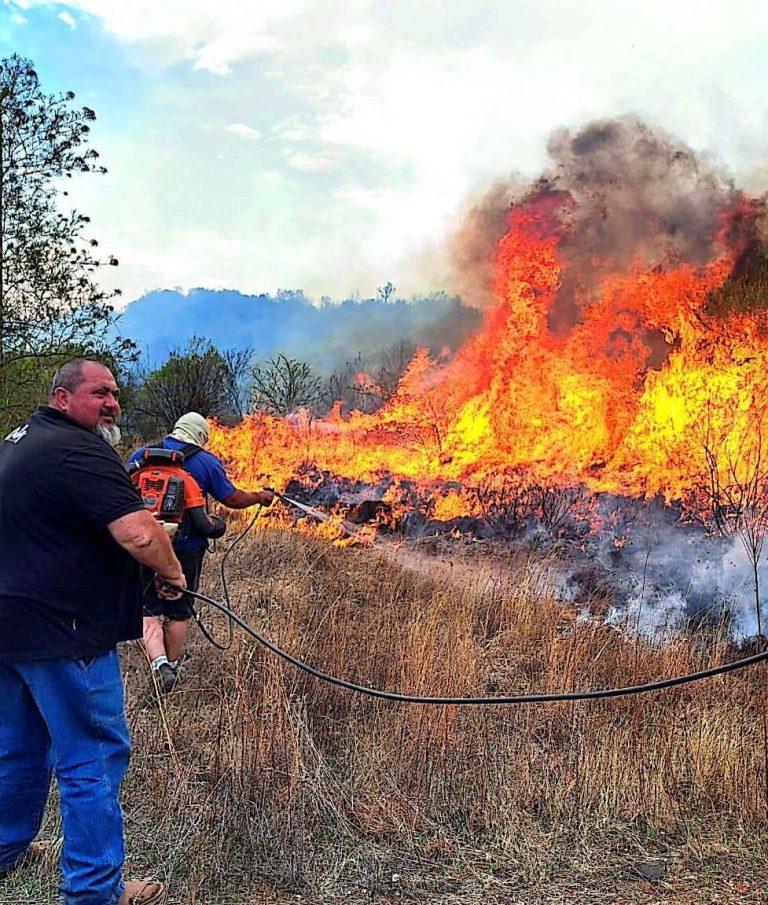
70 374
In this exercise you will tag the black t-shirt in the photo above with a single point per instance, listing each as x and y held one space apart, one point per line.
67 589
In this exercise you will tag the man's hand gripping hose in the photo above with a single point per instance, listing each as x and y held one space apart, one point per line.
170 590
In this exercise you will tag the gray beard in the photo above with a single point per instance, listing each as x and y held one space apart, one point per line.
110 435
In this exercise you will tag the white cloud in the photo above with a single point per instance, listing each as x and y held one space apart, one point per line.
244 131
291 130
308 163
212 36
220 54
67 19
382 119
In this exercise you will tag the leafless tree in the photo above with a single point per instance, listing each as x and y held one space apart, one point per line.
282 385
734 482
390 366
505 499
385 292
195 379
238 372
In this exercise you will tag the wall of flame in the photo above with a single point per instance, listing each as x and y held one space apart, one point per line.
646 393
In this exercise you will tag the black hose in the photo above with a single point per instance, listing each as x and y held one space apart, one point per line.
505 699
225 588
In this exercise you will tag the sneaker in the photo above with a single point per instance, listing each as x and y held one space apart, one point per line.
165 677
181 672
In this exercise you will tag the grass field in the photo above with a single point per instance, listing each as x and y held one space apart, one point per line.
255 783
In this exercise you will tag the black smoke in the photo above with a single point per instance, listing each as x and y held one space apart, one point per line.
630 191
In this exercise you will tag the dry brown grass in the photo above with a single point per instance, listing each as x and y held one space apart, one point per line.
255 783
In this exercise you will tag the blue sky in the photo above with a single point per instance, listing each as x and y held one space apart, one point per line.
332 146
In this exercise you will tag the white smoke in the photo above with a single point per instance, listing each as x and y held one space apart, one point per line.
665 576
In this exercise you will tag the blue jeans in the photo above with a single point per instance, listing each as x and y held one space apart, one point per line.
66 717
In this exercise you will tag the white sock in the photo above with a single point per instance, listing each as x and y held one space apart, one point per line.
158 662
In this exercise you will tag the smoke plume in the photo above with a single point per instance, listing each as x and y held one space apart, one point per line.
625 192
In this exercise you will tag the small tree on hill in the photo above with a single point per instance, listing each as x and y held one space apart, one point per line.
386 292
281 385
195 379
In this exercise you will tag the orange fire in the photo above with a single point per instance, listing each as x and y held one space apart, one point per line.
635 397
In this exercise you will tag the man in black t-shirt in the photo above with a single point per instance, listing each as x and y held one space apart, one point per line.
73 532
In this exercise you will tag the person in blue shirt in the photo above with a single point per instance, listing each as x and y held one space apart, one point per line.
166 621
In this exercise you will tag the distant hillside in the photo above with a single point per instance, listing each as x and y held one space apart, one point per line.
326 335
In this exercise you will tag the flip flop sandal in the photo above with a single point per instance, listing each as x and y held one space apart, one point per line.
141 892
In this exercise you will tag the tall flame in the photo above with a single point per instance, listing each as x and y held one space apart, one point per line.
632 397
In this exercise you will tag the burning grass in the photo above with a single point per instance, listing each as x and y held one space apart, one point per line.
656 378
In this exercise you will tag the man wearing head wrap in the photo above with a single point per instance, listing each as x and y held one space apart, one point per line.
191 428
166 621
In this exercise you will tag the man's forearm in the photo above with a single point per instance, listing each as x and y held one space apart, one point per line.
156 553
146 541
242 499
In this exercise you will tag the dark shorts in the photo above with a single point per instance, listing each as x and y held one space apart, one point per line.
177 610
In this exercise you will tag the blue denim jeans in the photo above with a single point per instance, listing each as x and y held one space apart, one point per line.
66 717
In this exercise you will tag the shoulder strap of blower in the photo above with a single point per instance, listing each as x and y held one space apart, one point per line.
191 526
172 494
188 451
